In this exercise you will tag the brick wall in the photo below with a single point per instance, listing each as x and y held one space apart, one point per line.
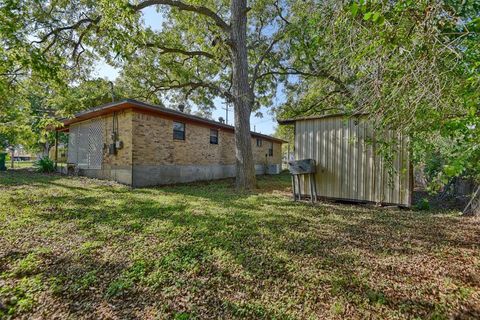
117 167
260 152
154 144
124 155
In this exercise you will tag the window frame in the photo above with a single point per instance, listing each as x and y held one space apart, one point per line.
259 142
214 136
177 131
270 149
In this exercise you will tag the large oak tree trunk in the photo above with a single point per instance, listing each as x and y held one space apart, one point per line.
243 97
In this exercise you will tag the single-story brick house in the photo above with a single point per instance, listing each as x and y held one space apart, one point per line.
141 144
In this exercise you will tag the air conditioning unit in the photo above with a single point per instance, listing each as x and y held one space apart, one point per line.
273 169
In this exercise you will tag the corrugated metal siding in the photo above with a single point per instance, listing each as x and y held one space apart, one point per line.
348 166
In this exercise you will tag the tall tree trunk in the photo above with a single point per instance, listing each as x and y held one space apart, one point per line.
46 149
243 97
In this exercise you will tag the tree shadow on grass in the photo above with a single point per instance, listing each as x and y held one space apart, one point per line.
86 286
179 236
31 178
379 233
22 177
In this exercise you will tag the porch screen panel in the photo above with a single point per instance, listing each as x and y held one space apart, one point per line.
95 144
85 144
72 144
82 145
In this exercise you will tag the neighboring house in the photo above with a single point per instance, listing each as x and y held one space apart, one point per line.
61 155
20 154
348 166
140 144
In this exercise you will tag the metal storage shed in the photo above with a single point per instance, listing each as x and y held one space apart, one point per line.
348 164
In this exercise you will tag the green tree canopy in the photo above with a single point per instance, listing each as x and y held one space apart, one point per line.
413 66
205 49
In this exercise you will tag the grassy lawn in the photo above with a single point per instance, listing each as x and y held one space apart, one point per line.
20 164
80 248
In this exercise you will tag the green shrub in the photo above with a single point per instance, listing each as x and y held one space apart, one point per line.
422 204
44 164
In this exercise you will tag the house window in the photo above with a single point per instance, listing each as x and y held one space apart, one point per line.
259 142
178 130
270 150
213 136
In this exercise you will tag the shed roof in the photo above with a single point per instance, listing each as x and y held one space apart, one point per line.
152 108
314 117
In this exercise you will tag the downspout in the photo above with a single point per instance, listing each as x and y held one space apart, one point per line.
133 148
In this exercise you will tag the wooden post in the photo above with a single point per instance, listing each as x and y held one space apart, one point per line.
288 153
293 188
299 188
266 164
56 149
311 186
12 157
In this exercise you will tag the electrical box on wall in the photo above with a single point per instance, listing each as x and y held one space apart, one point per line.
119 144
112 149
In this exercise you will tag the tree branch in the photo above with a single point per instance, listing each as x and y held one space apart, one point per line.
319 102
172 3
74 26
181 51
279 11
192 85
185 7
262 58
318 73
79 42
